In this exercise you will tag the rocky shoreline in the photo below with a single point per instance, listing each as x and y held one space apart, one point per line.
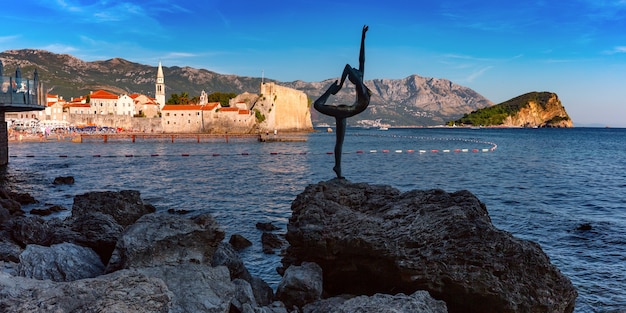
352 248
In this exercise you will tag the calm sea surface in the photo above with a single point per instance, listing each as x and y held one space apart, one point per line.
539 184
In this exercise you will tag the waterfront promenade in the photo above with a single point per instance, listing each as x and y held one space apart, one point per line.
155 137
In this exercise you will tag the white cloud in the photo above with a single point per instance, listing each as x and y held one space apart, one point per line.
60 48
616 50
477 73
180 55
4 39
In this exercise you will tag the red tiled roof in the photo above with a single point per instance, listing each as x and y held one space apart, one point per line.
211 105
101 94
77 105
244 111
181 107
229 109
191 107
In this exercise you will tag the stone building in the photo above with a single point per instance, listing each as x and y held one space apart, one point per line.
146 106
206 118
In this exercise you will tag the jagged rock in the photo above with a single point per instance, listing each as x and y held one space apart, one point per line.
22 198
270 242
239 242
195 287
5 215
227 256
266 226
373 239
300 285
9 251
263 293
60 262
124 206
48 211
178 211
26 230
97 231
243 295
274 307
63 180
119 292
418 302
11 206
166 239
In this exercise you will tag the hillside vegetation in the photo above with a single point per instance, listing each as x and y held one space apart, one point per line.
533 109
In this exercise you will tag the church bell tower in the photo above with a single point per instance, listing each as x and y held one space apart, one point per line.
160 87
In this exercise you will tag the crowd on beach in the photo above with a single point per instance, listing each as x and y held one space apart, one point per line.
19 134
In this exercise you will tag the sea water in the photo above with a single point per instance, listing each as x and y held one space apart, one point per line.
538 184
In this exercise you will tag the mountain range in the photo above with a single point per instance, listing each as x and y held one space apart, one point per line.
411 101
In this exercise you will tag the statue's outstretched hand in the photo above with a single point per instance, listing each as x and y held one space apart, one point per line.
335 87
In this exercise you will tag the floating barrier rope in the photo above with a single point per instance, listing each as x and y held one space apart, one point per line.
492 147
384 151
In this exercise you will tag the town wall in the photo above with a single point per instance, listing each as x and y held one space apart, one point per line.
142 124
232 122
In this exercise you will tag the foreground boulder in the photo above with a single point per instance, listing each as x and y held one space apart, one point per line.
300 285
124 206
418 302
374 239
60 262
167 239
119 292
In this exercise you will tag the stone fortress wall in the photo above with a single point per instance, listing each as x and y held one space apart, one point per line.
285 109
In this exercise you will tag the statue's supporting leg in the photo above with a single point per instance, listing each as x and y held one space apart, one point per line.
340 122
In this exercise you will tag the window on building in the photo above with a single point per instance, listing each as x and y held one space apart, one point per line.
167 114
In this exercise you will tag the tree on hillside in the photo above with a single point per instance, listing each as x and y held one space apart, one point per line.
221 97
175 98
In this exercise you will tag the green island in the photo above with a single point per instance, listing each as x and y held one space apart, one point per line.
533 109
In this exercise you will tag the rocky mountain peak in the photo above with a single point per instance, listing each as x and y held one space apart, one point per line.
411 101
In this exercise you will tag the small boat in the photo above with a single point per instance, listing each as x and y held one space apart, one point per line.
383 128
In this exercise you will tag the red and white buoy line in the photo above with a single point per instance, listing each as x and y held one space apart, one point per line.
492 147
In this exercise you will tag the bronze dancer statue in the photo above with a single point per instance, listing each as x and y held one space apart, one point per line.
342 112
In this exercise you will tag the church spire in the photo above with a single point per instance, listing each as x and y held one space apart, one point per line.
160 87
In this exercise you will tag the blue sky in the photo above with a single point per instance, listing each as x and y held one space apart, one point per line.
501 49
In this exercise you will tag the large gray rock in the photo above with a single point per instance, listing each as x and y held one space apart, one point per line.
60 262
167 239
418 302
374 239
227 256
120 292
300 285
195 287
9 251
124 206
97 231
26 230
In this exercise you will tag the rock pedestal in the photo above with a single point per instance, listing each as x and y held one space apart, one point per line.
374 239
